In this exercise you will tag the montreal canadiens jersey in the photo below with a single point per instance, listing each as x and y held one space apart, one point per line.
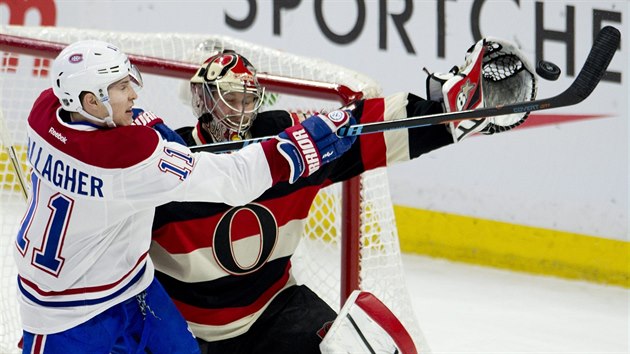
223 265
83 243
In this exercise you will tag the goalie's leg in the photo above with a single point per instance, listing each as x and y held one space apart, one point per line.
294 322
366 325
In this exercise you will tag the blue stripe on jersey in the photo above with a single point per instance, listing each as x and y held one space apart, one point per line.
80 302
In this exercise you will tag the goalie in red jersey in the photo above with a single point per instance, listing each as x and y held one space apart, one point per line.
236 305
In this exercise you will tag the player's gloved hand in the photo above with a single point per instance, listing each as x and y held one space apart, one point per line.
495 72
314 142
149 119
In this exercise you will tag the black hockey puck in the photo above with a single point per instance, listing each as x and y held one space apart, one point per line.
547 70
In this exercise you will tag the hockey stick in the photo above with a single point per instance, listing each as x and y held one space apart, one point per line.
602 52
10 149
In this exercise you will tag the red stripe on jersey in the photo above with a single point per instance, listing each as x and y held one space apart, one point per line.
182 237
223 316
373 148
278 165
198 129
91 289
107 148
39 341
296 117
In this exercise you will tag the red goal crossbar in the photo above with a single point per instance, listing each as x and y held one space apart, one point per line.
184 70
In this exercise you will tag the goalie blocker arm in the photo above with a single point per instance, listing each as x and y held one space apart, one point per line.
602 52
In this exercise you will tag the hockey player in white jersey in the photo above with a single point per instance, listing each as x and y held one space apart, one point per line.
86 282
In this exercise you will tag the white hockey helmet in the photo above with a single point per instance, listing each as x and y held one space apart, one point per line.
90 66
220 75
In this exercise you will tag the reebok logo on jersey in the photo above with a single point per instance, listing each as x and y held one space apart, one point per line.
308 150
57 135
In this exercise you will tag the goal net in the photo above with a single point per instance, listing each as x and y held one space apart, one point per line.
167 60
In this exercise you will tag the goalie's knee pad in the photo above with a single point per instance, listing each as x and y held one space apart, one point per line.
494 73
366 325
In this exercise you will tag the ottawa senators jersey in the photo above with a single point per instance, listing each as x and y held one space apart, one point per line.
223 265
83 243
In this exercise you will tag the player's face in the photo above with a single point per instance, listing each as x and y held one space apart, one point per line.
121 97
235 106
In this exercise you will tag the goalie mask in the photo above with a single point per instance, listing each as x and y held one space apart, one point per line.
226 96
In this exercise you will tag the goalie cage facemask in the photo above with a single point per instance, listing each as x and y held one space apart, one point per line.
226 96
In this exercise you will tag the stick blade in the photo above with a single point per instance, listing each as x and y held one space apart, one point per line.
603 50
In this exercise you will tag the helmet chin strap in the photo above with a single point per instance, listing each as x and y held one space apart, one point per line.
109 121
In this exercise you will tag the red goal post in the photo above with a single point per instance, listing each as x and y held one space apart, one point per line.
364 234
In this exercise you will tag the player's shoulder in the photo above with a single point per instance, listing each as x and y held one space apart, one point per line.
47 97
186 133
271 123
120 147
129 145
44 107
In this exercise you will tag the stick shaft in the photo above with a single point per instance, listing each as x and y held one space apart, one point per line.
602 52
